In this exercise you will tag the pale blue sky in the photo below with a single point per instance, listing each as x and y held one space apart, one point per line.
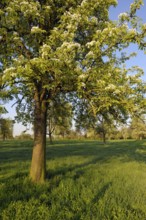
140 60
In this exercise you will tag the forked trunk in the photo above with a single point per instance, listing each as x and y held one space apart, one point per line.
38 163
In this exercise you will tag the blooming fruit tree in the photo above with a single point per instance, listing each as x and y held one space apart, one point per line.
66 47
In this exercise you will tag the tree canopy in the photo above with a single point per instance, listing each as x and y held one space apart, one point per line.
68 47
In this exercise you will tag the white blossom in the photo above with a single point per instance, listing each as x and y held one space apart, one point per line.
46 47
75 17
83 2
48 7
91 43
83 84
23 3
82 76
90 54
132 31
36 29
16 38
44 55
9 70
70 45
101 82
125 25
45 50
117 91
123 16
94 19
34 59
13 74
111 87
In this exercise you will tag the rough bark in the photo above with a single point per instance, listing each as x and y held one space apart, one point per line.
38 163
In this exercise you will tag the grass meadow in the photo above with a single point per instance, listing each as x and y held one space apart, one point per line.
86 180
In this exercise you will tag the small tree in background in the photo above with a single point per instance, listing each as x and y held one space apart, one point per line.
6 128
24 136
138 128
60 117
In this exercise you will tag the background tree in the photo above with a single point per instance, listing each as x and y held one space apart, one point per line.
24 136
103 122
66 47
60 117
6 128
138 128
105 127
124 132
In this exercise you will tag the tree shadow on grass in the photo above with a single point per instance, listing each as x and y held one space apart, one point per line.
134 150
98 153
93 151
14 151
17 188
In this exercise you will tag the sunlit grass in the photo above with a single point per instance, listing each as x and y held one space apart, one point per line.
86 180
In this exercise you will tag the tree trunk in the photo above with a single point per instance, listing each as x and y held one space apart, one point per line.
50 138
38 163
4 136
104 137
50 129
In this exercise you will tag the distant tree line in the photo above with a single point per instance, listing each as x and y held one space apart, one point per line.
102 130
67 125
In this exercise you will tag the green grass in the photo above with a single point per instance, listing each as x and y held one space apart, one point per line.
86 180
